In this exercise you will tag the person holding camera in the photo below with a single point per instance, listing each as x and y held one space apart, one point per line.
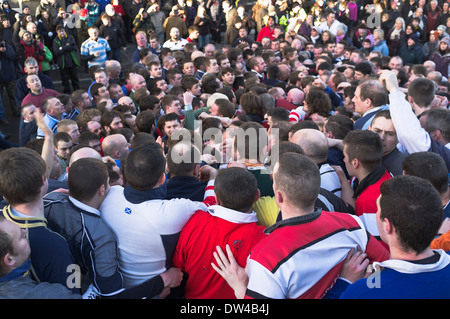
66 53
28 47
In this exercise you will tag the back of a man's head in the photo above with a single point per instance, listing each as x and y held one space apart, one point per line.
422 91
339 126
236 188
365 146
85 177
414 209
298 177
313 142
144 166
22 174
182 158
438 120
225 107
429 166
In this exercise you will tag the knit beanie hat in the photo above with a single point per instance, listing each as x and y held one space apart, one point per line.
22 33
442 27
414 37
446 40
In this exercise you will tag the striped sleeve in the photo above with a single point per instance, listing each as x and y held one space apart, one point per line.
297 115
84 50
209 197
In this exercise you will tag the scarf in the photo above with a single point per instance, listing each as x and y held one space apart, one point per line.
395 33
372 178
215 10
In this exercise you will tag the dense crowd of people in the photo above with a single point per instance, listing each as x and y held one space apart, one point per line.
280 149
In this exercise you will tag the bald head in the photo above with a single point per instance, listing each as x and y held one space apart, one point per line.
116 146
285 72
85 152
296 96
313 142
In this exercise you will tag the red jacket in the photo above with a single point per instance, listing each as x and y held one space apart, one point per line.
198 240
366 202
265 32
366 206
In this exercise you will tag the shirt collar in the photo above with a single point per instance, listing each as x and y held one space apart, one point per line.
84 207
136 197
372 110
232 215
18 272
293 221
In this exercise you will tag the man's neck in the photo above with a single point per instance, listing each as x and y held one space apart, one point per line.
419 110
32 209
55 116
289 211
400 254
361 174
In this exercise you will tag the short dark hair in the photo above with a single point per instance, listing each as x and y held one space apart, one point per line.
429 166
85 177
225 107
364 67
178 166
236 188
145 121
421 90
278 114
22 171
61 136
366 146
108 117
87 136
414 208
299 178
438 119
339 125
144 166
94 89
141 138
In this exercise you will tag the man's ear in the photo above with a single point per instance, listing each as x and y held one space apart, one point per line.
217 199
388 228
436 135
102 190
8 261
257 196
355 163
196 170
162 179
279 198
